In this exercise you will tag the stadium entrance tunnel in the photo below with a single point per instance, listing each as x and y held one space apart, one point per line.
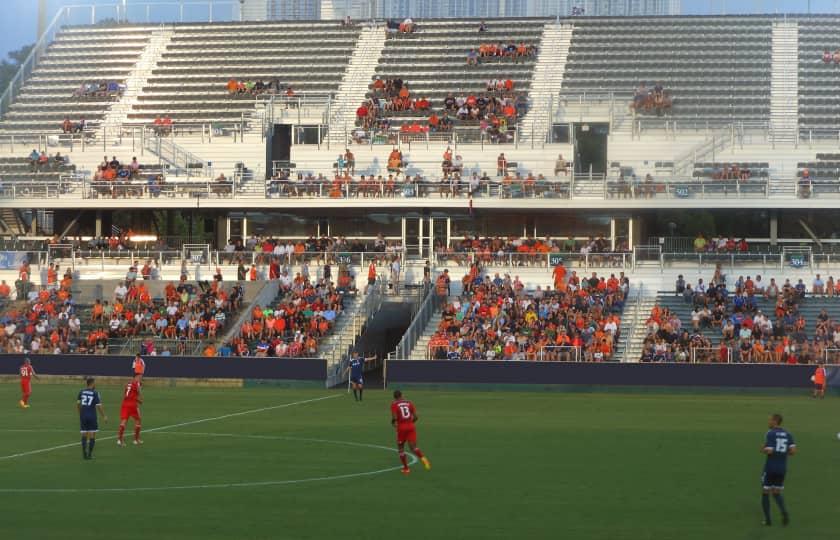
591 148
383 333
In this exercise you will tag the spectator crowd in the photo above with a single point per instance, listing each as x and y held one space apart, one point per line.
497 319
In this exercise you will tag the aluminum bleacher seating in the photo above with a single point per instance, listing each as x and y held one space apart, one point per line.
433 62
715 69
189 82
819 104
78 55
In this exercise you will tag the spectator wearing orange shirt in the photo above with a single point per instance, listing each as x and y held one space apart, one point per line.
819 381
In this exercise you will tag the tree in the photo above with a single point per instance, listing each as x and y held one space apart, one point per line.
8 68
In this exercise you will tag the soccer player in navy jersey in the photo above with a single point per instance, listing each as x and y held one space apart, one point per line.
357 372
88 404
778 445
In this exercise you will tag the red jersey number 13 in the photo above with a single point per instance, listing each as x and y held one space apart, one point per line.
405 411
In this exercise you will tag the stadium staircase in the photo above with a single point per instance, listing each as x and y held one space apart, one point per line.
421 348
546 81
354 85
117 113
784 81
632 329
11 222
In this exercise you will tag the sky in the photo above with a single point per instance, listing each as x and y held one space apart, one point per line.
19 21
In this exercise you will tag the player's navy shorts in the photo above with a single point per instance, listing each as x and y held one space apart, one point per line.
773 480
357 380
88 423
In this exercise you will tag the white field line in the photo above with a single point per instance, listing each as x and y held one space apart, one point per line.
263 483
173 426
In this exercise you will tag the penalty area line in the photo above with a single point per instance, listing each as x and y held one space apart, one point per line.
173 426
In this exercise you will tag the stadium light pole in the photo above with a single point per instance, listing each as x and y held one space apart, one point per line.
42 18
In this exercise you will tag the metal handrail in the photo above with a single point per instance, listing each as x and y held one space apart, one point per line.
418 324
38 49
632 332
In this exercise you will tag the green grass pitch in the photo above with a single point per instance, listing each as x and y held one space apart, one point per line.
506 465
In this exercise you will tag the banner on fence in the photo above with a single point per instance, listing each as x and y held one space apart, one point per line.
11 260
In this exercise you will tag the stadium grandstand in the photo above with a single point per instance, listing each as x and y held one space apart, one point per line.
333 166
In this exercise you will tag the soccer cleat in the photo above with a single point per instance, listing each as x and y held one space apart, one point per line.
120 442
766 523
426 463
137 442
22 404
405 470
26 405
785 519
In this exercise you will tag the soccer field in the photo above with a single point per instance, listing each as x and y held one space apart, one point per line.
281 463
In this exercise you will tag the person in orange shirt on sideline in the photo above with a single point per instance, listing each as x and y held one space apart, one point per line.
819 381
5 290
253 273
138 366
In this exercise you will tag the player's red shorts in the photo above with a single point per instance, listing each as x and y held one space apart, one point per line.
130 411
26 387
406 434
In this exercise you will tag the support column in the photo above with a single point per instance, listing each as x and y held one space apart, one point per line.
612 234
448 232
222 231
244 229
33 225
774 229
420 236
98 224
634 231
431 236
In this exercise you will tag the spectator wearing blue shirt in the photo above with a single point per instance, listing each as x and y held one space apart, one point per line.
161 325
800 289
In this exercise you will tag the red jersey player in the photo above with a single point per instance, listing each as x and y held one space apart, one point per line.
26 374
130 409
403 417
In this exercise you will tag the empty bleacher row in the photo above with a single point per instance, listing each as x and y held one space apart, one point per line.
716 69
819 103
189 81
79 55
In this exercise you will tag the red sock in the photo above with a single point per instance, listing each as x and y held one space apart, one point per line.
26 399
120 433
137 432
418 453
403 459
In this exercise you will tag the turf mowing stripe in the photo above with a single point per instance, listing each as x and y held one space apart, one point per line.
173 426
